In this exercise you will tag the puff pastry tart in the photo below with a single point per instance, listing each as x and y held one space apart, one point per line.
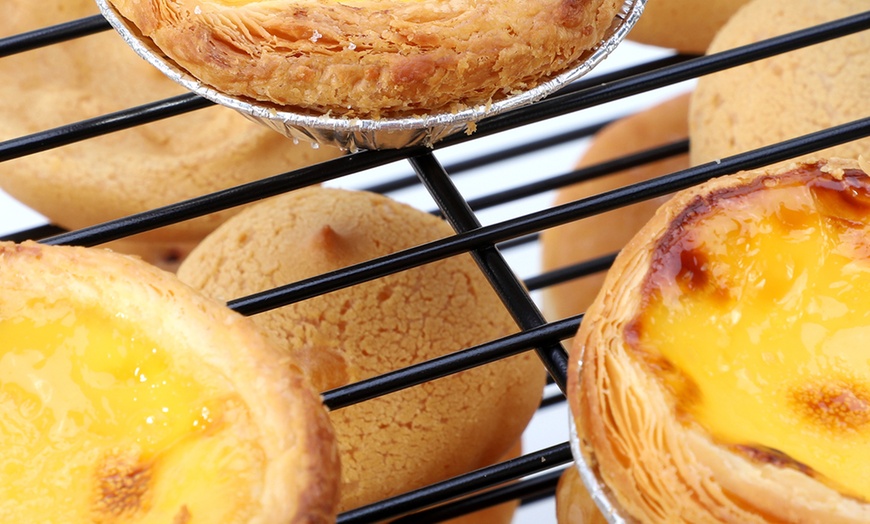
125 396
725 375
373 58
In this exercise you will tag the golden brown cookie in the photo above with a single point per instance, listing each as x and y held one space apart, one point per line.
573 503
608 232
372 59
128 171
407 439
724 371
126 396
787 95
687 26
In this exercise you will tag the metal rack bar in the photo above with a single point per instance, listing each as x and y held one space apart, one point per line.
581 269
532 488
514 297
496 156
580 175
443 366
458 486
101 125
52 35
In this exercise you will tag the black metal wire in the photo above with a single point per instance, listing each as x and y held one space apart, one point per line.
228 198
441 492
536 187
35 233
52 35
443 366
500 155
502 279
102 125
527 490
564 274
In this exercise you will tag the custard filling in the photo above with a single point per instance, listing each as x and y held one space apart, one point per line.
757 318
99 424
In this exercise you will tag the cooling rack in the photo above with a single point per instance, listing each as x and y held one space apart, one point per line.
521 157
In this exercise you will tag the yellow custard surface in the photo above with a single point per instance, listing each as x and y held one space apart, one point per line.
757 318
99 424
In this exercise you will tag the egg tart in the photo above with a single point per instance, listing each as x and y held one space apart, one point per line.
125 396
722 375
373 59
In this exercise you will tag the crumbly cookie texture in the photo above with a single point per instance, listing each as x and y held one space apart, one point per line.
787 95
723 373
410 438
371 58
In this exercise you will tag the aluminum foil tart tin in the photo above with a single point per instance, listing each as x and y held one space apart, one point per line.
352 134
598 490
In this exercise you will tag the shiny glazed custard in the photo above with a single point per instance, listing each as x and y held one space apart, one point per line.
756 316
88 403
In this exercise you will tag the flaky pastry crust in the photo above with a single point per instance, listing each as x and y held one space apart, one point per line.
661 465
371 59
205 341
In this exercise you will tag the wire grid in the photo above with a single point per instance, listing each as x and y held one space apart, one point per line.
533 475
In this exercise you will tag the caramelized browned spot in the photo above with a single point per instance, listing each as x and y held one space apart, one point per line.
693 273
571 13
847 198
793 219
633 332
676 259
325 239
122 482
182 517
413 72
666 264
688 266
834 404
765 455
